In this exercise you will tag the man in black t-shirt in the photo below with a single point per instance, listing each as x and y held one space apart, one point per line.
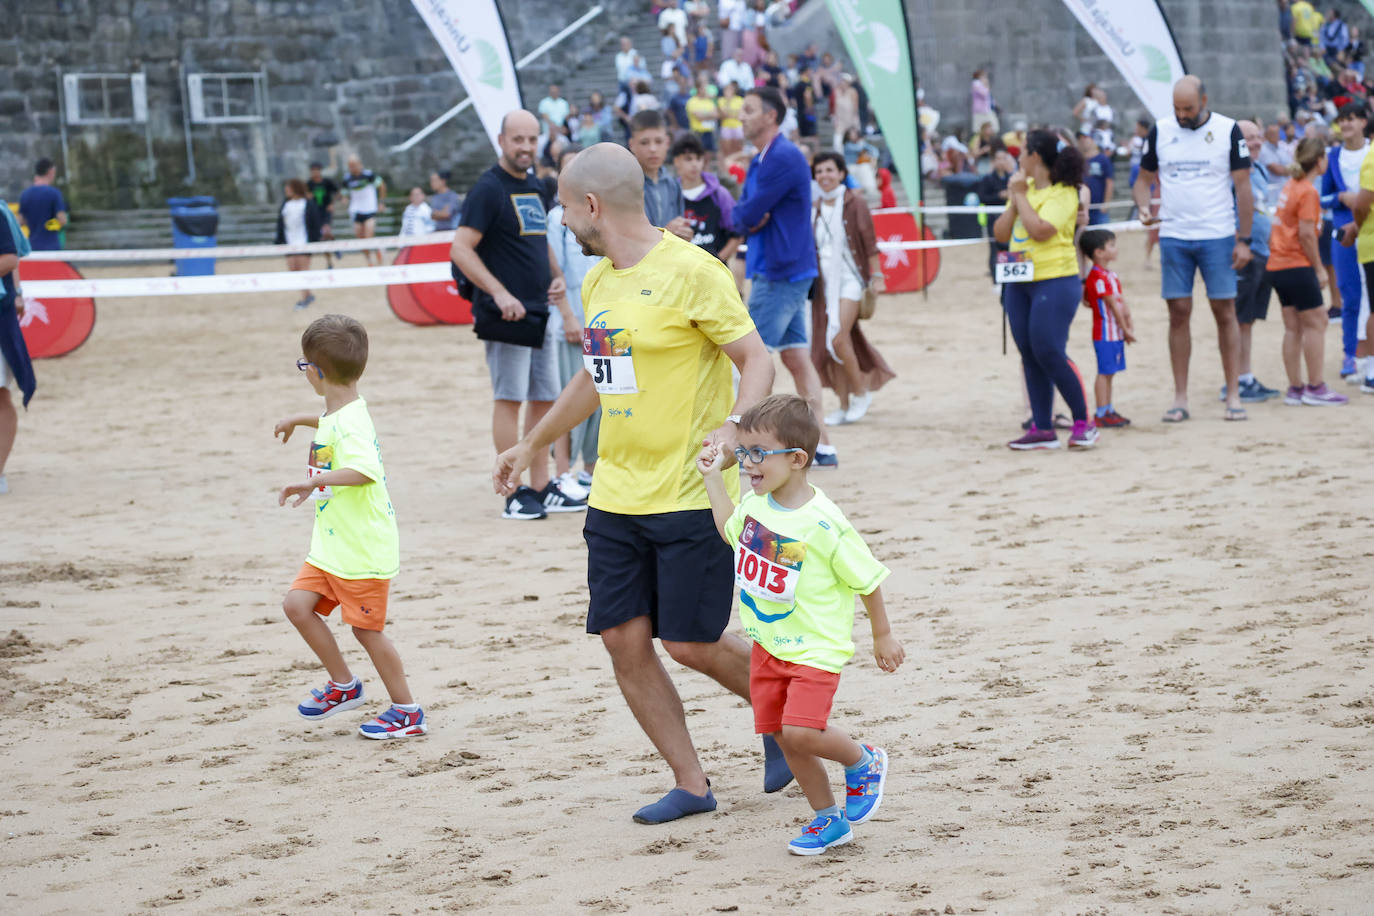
502 247
706 205
992 192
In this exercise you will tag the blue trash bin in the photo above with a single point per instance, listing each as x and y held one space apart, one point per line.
195 223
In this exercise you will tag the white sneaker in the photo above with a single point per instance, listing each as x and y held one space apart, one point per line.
837 418
858 406
570 486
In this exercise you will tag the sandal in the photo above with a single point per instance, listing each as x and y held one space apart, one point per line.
1236 413
1179 414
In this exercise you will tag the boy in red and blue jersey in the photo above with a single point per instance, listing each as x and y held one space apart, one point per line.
1112 327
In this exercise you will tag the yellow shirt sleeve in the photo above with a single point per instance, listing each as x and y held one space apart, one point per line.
1367 173
1060 209
714 306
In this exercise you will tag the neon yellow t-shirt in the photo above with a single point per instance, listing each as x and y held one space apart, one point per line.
652 345
798 571
355 528
699 108
1306 20
1054 257
729 111
1364 243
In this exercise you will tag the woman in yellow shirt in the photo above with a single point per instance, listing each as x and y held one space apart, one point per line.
730 103
1042 293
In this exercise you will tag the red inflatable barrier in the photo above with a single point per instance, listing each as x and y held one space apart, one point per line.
428 303
906 271
54 327
401 298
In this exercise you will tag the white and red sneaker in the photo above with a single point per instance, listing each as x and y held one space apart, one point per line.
395 723
331 699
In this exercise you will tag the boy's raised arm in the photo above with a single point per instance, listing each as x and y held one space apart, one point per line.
285 427
709 463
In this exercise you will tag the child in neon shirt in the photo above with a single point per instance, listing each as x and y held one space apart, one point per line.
799 564
354 549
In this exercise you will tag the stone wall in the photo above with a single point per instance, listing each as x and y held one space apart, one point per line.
1041 58
359 76
343 76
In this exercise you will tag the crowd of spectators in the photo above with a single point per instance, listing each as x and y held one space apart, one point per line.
1324 61
709 54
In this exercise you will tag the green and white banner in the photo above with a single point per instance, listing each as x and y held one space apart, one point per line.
473 38
1136 37
875 35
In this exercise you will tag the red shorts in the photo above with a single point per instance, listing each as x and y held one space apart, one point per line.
785 693
363 600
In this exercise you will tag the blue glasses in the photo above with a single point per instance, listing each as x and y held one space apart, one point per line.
303 364
757 454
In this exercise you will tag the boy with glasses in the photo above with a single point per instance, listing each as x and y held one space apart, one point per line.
354 549
798 565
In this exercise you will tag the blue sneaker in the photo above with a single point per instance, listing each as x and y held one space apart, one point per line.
822 833
395 723
1253 392
831 460
332 698
864 790
1347 367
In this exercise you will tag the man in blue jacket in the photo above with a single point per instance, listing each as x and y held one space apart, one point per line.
775 213
1340 185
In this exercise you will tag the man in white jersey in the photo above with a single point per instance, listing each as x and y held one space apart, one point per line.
1200 159
365 190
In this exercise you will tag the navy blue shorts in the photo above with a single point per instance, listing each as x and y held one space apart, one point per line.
1111 356
673 566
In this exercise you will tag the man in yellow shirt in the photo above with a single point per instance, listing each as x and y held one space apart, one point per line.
664 325
1306 22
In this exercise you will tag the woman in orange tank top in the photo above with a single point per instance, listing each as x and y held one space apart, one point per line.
1296 275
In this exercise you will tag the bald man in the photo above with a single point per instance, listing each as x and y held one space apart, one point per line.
1200 159
366 193
502 246
664 326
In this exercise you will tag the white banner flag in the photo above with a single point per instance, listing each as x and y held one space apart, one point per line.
474 39
1137 38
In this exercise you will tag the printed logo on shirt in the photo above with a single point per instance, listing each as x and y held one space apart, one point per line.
321 460
608 355
529 210
768 565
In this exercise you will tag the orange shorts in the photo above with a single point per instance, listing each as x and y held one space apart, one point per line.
363 600
785 693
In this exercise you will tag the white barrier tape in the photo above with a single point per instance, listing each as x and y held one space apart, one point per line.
990 210
1125 226
241 251
238 283
342 278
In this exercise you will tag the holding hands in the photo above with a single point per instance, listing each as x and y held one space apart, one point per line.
711 459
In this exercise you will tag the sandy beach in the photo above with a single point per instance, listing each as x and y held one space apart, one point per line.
1138 679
